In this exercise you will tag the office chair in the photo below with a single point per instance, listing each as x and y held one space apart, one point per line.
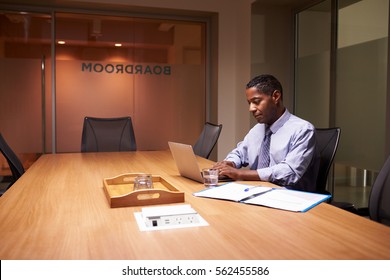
327 141
379 200
108 135
14 163
207 139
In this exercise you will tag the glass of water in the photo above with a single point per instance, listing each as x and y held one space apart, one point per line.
210 177
143 182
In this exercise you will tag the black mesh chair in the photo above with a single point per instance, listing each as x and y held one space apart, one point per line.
207 139
13 161
379 201
108 135
327 141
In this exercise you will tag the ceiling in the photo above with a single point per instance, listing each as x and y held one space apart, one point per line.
292 3
81 3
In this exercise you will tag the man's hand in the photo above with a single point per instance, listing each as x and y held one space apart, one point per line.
223 163
228 168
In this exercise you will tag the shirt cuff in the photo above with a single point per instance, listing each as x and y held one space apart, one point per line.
264 174
236 162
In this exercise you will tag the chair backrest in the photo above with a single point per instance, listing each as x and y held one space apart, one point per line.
14 163
379 201
207 139
108 135
327 141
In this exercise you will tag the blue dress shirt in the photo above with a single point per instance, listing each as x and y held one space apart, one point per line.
294 160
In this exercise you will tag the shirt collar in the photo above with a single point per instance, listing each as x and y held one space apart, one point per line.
280 122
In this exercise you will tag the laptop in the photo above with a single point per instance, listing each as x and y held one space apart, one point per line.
186 162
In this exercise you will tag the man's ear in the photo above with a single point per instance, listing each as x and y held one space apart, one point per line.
277 96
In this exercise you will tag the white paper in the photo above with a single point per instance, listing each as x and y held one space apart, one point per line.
232 191
280 198
290 200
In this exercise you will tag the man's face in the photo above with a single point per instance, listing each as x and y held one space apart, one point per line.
263 106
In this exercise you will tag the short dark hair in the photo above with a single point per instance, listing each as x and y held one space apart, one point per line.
266 84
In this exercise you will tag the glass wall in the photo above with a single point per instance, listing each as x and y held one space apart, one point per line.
312 64
359 78
361 94
151 69
25 58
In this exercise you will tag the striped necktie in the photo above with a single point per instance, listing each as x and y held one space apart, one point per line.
264 150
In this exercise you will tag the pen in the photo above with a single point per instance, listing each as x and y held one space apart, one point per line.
249 188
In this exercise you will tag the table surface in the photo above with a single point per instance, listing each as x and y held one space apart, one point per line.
58 210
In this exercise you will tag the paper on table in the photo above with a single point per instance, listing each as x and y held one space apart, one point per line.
290 200
279 198
232 191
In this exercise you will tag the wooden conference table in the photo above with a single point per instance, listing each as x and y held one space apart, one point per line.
58 210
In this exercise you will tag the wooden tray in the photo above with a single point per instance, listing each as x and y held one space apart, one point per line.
120 193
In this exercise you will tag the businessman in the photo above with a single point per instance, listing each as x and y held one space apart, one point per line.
280 148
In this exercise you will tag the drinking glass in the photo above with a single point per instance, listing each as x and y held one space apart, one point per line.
143 181
210 177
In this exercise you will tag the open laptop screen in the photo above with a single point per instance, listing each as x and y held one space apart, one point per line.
186 161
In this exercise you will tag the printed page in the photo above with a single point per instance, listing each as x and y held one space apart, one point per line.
232 191
290 200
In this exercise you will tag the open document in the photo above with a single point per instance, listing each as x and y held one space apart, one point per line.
280 198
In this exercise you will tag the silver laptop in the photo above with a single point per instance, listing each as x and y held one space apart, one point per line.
186 162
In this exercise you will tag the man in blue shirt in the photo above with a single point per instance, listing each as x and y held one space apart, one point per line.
291 159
